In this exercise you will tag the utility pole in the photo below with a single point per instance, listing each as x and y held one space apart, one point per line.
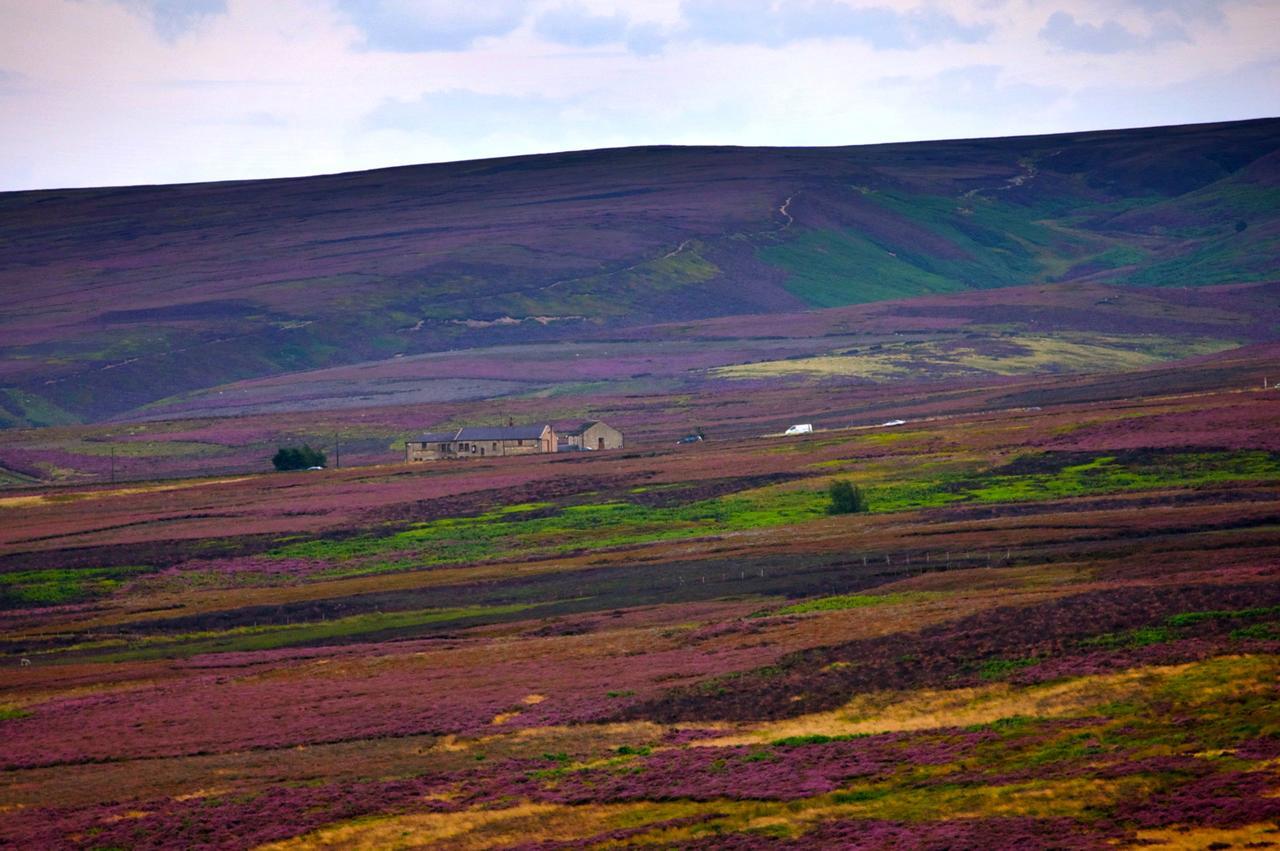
337 452
113 465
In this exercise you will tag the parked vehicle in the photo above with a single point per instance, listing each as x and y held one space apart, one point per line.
800 428
690 438
895 422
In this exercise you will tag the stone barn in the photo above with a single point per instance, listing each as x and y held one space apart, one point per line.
431 446
481 442
593 435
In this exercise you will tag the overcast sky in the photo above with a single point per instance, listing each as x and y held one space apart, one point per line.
109 92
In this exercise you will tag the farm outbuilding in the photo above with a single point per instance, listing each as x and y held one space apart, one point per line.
593 435
481 441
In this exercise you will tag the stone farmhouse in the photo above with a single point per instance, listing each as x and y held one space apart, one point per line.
501 441
592 435
481 441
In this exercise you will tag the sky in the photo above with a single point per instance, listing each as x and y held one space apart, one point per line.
120 92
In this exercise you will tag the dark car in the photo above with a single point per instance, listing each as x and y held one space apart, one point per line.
690 438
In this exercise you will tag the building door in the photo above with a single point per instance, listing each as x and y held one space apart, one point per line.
599 443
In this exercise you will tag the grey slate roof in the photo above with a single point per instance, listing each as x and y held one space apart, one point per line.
437 437
520 432
582 428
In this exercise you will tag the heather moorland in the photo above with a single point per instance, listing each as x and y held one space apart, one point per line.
1045 613
1056 625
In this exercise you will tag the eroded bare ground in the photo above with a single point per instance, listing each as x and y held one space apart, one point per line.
1057 625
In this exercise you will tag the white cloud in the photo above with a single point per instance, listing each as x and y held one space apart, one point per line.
574 24
1063 31
1248 91
91 95
175 18
427 25
1187 10
779 22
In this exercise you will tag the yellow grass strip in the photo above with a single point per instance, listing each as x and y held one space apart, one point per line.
63 496
1036 799
886 712
532 822
202 793
1184 839
412 830
534 740
475 829
1059 352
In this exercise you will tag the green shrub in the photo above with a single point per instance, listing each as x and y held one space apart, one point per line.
290 458
846 498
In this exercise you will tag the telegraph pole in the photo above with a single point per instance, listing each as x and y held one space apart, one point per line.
113 465
337 452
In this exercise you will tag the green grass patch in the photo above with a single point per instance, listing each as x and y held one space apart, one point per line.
25 409
1258 632
634 750
860 796
502 533
1100 475
1192 618
56 586
539 529
841 602
929 244
833 268
145 448
1177 626
1012 725
815 739
1141 637
272 636
1122 255
998 669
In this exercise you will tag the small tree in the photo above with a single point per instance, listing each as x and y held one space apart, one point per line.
846 498
290 458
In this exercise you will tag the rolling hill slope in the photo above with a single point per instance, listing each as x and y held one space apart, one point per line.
111 299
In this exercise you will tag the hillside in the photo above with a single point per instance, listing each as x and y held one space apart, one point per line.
741 376
113 299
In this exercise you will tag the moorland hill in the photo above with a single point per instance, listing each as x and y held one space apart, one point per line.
113 299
